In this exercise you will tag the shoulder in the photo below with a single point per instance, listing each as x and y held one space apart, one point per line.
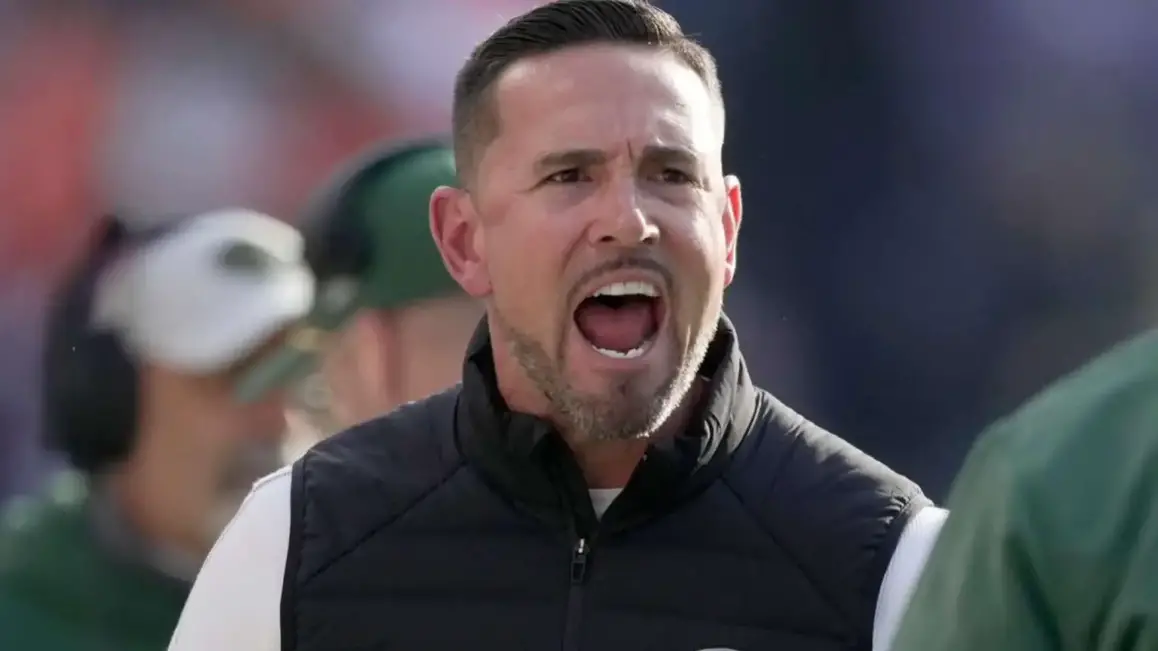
1086 442
905 567
26 626
1114 390
268 502
235 601
51 570
408 445
1094 428
56 512
1066 481
373 472
414 427
800 463
822 498
259 529
36 530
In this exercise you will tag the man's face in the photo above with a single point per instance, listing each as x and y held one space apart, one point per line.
386 358
202 449
603 231
428 344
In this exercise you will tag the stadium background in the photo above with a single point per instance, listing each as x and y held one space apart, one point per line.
948 204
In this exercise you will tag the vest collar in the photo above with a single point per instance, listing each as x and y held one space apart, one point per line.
525 457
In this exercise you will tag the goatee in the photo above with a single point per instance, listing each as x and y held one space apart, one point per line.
624 411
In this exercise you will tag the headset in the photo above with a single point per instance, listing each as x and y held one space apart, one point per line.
90 396
89 380
337 244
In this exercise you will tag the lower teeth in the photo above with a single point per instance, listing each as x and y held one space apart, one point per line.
631 354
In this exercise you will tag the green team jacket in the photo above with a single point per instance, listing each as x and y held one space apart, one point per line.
62 591
1052 541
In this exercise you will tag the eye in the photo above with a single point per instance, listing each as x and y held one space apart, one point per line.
567 176
673 176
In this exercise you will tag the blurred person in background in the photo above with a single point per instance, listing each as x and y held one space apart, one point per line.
177 108
1053 539
390 324
144 346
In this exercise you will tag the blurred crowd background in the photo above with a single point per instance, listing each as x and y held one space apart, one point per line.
948 204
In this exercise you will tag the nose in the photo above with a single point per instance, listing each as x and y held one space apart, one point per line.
622 221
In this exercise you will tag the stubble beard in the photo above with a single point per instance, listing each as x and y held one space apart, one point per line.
625 410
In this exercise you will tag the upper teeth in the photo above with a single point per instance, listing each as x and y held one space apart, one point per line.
631 288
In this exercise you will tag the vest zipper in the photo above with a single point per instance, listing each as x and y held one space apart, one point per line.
580 560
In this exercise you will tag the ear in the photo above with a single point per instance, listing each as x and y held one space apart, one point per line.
733 215
457 233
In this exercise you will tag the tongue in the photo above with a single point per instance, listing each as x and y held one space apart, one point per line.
620 328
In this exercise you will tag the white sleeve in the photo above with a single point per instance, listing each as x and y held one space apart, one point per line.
235 604
913 548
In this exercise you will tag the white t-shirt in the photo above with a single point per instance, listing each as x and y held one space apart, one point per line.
235 604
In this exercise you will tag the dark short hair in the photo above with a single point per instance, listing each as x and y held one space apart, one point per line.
550 28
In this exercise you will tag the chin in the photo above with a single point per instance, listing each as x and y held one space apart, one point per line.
653 375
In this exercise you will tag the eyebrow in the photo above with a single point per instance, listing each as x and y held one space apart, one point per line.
674 156
652 154
557 160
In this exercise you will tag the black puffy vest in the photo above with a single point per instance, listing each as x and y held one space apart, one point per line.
455 524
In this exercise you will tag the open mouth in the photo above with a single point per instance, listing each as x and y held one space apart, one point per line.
620 320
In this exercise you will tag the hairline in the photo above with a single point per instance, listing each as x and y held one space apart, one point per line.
484 109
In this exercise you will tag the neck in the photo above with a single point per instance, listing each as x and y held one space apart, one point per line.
144 512
610 464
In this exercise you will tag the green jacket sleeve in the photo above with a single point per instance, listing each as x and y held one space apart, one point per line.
1052 540
979 590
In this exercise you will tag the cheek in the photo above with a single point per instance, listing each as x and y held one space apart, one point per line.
697 256
699 249
188 429
526 268
198 444
222 425
216 429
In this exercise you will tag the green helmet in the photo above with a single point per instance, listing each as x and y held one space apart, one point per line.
368 242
